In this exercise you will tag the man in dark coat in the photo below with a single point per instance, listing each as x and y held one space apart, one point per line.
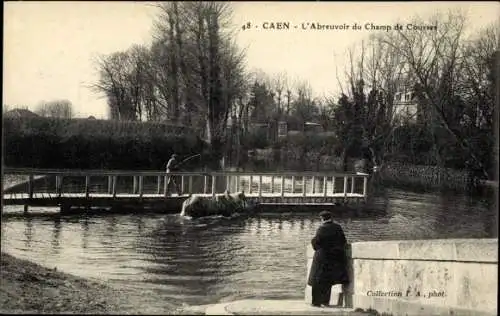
329 266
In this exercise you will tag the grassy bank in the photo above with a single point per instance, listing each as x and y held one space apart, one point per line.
27 287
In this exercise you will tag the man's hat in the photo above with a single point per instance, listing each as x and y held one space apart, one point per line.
325 215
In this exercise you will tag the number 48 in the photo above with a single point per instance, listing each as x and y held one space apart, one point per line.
246 26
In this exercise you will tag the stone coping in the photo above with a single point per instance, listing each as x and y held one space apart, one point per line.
275 307
460 250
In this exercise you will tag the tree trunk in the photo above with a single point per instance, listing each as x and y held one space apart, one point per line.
344 158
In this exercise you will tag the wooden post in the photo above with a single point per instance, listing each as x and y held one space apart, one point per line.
227 183
325 181
158 184
205 184
87 187
59 182
182 185
304 186
31 186
352 184
333 185
190 184
165 186
272 184
293 184
260 185
237 188
213 185
365 184
134 189
140 185
250 185
61 186
110 184
282 186
312 184
345 186
115 178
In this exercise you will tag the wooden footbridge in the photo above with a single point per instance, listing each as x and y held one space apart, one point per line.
70 189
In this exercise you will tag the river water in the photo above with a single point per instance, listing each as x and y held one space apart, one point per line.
209 260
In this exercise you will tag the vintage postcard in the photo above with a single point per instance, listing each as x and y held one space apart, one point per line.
250 158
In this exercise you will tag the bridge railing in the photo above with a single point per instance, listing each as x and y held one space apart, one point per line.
143 183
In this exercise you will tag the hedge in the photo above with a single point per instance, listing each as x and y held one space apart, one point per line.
94 144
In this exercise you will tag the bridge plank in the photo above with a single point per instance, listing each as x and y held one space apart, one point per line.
45 195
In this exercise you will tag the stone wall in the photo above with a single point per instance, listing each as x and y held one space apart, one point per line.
417 277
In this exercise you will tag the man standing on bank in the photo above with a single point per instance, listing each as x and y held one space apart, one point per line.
172 166
329 266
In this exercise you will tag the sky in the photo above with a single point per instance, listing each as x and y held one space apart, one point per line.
49 46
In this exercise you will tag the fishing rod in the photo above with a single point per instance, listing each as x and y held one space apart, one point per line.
185 160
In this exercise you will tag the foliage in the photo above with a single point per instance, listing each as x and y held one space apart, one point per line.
261 103
255 139
94 144
309 141
192 73
452 80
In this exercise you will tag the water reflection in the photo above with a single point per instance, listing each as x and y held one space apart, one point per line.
215 259
192 256
56 235
140 224
28 232
111 227
85 232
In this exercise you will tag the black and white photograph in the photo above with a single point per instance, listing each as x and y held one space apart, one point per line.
250 158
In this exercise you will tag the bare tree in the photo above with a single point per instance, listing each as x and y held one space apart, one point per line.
304 107
435 59
124 78
113 84
279 83
55 108
365 114
475 80
198 67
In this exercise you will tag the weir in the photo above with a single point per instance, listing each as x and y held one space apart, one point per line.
147 189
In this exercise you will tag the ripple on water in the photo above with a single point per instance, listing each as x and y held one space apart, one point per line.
176 260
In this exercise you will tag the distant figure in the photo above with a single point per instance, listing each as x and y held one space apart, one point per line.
172 166
329 266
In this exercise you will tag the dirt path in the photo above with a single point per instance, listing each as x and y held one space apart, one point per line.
27 287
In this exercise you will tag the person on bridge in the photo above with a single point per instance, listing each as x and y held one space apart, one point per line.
172 166
329 266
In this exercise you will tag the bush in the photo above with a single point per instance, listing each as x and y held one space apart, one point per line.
320 142
94 144
255 140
